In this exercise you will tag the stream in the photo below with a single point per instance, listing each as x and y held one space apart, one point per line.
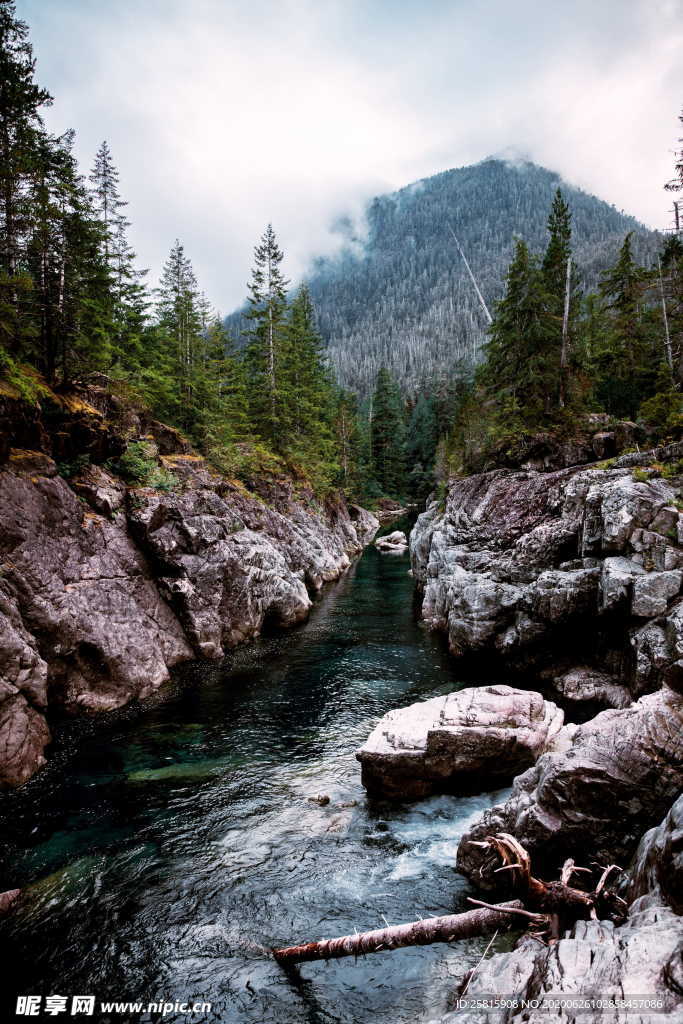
164 851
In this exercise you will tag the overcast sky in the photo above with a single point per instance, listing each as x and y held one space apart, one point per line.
223 115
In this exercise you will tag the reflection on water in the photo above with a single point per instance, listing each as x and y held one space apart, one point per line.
165 856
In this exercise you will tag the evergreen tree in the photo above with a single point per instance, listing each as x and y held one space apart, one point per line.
21 134
388 434
421 446
520 370
180 318
554 268
352 434
267 338
627 357
306 385
128 300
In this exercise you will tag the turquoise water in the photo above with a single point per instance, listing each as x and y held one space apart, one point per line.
165 851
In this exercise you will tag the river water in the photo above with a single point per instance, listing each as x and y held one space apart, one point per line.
164 852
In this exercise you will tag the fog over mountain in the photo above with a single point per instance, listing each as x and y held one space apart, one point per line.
397 294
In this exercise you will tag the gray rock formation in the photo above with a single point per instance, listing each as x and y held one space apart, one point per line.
592 796
481 734
98 601
582 566
641 958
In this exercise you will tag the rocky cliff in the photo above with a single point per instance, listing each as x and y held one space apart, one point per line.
104 588
572 581
573 575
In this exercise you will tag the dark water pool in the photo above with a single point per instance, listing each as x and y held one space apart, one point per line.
163 857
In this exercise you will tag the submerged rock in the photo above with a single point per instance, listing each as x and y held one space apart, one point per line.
477 735
593 796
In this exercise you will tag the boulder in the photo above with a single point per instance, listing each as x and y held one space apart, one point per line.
8 899
584 685
473 737
658 864
594 794
396 542
594 961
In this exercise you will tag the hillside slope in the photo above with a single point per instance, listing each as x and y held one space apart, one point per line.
403 298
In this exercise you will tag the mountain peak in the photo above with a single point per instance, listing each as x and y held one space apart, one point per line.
403 298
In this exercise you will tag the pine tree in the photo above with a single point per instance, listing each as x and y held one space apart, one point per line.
421 446
388 435
179 315
267 338
520 370
627 357
307 386
21 132
22 138
555 267
128 296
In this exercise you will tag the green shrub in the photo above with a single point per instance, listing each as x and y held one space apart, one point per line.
73 467
138 468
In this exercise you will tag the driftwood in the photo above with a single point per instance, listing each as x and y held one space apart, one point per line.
548 906
417 933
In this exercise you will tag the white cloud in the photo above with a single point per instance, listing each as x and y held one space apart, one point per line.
223 114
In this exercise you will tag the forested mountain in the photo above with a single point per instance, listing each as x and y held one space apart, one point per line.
403 299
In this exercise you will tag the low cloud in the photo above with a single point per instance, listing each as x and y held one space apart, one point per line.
224 115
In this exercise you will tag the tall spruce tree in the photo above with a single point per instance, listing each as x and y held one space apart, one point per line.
519 369
267 336
306 384
628 356
421 446
179 317
128 300
388 435
554 268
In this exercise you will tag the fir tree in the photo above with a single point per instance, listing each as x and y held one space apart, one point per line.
267 337
21 133
519 369
388 434
627 357
179 316
421 446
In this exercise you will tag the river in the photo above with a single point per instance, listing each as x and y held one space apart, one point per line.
165 850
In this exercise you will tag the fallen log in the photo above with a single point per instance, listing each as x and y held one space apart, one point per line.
417 933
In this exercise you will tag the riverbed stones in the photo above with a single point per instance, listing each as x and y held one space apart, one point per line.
470 738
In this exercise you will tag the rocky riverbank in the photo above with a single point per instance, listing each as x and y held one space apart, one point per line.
104 587
570 582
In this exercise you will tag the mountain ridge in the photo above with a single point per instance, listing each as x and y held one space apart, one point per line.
402 298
